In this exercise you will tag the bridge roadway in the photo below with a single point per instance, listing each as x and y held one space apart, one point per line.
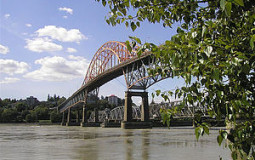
103 78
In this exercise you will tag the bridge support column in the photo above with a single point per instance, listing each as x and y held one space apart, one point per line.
145 108
84 115
68 117
128 123
63 123
128 107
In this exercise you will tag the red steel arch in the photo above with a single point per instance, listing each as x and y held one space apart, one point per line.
110 54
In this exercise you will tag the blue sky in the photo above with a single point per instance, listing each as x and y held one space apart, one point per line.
46 46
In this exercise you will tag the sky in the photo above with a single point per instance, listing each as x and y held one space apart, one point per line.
46 47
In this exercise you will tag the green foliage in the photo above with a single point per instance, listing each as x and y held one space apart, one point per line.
167 114
213 51
12 110
20 106
201 130
30 118
1 111
9 115
55 117
42 113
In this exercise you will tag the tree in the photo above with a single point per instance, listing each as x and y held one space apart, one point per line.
20 106
213 51
42 112
9 115
1 111
61 100
55 117
31 117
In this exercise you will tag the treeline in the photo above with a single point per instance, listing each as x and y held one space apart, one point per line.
30 110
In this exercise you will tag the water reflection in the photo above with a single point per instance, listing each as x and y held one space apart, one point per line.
76 143
129 145
145 145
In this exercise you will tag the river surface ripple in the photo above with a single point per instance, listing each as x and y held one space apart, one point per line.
25 142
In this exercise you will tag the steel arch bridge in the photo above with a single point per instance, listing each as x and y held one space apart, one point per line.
110 61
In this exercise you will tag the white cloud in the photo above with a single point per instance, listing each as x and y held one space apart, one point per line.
61 34
59 69
42 45
7 15
12 67
65 17
4 49
67 10
7 80
71 50
29 25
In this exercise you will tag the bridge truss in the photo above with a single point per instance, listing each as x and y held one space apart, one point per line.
117 114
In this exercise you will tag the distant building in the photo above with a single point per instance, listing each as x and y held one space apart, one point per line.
112 99
32 101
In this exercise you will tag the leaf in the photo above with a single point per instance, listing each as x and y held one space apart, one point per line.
128 46
224 134
206 129
157 92
219 139
208 51
216 74
136 39
119 14
104 2
204 30
234 155
124 12
133 44
133 26
198 132
138 24
252 42
126 23
239 2
179 30
222 4
228 8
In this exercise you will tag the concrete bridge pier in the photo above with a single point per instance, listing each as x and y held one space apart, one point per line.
127 123
128 107
68 117
145 115
63 123
84 116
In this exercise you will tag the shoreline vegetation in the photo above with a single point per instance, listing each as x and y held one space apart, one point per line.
30 110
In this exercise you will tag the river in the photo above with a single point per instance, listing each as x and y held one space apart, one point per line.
25 142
